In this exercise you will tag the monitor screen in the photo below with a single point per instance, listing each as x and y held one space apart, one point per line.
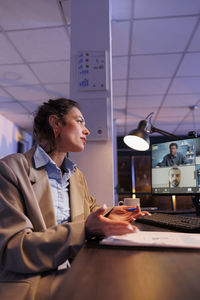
176 167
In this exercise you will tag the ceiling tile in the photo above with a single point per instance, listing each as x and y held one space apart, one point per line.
29 14
42 44
4 97
12 107
120 123
119 67
119 88
195 43
181 100
32 106
153 65
23 120
120 129
161 35
148 86
119 114
168 113
190 65
28 92
120 38
119 102
130 126
52 72
140 113
167 126
144 101
158 8
196 113
186 127
121 9
8 53
185 85
16 75
58 90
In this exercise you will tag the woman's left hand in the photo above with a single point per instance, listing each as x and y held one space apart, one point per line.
120 213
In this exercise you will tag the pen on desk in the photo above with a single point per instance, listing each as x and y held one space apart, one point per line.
131 209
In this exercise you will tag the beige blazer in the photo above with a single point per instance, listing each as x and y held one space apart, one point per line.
32 245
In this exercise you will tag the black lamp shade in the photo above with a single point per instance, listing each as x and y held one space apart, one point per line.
138 139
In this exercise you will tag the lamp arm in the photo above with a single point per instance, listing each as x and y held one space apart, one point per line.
154 129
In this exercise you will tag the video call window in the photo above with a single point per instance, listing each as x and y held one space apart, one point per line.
176 167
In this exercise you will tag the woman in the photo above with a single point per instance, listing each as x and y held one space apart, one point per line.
46 212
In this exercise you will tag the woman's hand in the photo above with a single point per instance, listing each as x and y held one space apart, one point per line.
120 213
97 224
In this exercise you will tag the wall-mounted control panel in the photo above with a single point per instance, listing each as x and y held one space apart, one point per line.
91 70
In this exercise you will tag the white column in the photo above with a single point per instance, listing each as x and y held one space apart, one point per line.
90 85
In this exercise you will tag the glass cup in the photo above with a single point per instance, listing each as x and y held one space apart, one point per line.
132 201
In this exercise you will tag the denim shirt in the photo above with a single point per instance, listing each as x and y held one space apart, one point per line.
59 184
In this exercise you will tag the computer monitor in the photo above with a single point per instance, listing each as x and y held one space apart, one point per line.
176 167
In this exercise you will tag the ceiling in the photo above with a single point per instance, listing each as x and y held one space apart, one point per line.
156 60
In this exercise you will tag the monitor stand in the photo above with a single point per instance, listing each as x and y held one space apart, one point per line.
196 203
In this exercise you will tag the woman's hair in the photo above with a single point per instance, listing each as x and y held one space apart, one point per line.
42 130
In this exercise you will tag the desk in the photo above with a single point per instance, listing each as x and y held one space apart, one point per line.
113 273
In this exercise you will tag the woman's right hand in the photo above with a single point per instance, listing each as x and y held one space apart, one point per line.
98 224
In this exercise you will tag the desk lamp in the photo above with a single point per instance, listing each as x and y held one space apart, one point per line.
138 139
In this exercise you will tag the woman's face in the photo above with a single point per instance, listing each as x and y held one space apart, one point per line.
72 136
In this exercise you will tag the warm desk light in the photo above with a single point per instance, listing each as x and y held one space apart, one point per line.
138 139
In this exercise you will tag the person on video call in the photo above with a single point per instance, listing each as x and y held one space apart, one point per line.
46 211
174 158
174 176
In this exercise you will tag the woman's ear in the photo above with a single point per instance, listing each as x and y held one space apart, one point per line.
53 120
55 124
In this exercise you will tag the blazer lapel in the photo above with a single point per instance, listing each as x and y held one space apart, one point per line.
76 199
42 190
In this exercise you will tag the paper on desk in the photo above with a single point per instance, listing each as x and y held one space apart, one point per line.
155 239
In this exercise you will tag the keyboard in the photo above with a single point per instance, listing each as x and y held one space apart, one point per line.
175 222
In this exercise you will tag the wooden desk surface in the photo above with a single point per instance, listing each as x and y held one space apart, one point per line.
116 273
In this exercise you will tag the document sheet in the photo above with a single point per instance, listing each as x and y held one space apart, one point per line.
155 239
